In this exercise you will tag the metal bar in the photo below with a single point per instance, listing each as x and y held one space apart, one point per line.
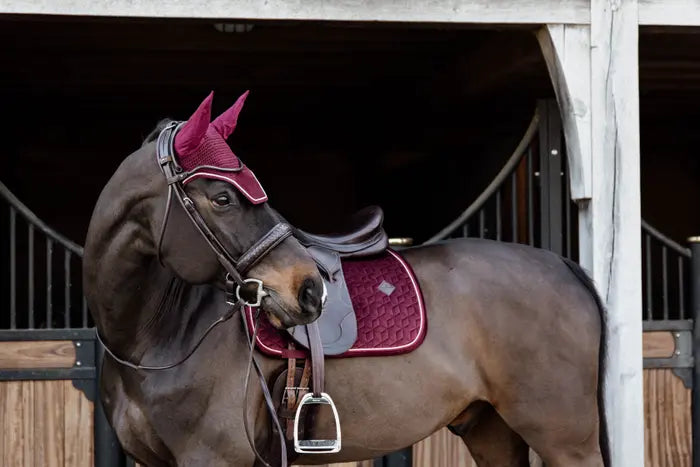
498 215
108 452
482 221
85 313
31 218
30 276
681 289
544 175
646 227
402 458
550 177
671 362
670 325
465 229
66 283
8 335
13 269
695 308
22 374
567 210
495 184
530 213
49 283
514 206
664 276
647 247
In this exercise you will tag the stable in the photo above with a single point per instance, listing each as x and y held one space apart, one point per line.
527 115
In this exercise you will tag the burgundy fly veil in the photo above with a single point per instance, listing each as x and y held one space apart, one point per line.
202 150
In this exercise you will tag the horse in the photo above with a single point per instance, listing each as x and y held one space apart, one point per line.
512 359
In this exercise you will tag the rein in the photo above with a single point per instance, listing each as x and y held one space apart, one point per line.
234 283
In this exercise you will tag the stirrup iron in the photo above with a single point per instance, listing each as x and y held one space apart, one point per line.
316 446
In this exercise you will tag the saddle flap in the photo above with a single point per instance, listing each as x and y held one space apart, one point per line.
337 323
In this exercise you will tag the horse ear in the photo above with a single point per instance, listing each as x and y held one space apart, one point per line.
226 122
190 136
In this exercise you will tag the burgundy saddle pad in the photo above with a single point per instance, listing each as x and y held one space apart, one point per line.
388 305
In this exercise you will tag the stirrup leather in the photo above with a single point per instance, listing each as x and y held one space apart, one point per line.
317 446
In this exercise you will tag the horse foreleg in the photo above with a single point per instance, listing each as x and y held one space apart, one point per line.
492 442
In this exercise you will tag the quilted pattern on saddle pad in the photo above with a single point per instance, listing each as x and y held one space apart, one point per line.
388 304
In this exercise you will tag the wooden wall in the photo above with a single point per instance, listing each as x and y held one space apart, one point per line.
50 423
45 424
667 424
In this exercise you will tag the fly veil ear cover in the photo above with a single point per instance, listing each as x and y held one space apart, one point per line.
202 151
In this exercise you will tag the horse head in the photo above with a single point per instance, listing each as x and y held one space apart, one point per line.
234 206
205 219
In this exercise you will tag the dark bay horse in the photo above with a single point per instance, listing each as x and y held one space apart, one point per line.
512 357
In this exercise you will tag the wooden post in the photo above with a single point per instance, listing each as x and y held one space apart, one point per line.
613 218
600 114
695 307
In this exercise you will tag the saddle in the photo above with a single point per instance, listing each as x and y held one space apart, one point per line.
363 236
333 333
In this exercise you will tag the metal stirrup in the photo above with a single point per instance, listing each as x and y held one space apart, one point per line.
317 397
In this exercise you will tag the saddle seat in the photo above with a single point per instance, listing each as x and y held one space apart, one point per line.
362 235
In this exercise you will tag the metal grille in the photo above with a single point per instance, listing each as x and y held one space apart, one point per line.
529 200
666 277
40 272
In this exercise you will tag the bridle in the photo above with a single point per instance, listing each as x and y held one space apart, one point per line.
235 283
174 175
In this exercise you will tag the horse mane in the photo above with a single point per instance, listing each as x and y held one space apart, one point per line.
153 135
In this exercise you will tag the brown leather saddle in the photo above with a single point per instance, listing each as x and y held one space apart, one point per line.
363 235
298 390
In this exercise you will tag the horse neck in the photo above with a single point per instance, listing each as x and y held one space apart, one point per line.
126 287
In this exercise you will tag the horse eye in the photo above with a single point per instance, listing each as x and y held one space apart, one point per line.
222 200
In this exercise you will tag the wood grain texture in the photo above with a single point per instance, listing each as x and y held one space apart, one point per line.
18 423
667 417
442 449
566 50
658 344
37 354
78 427
669 12
49 432
610 223
474 11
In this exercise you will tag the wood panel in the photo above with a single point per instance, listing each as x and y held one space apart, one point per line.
667 420
442 449
37 354
78 427
49 413
658 344
45 423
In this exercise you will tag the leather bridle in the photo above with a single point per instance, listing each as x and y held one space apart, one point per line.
235 271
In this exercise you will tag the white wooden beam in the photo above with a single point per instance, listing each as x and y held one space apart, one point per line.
567 50
423 11
612 218
669 12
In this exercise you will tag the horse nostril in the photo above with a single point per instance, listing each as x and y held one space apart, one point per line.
310 296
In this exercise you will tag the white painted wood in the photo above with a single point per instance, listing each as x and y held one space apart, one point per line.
566 49
669 12
613 217
447 11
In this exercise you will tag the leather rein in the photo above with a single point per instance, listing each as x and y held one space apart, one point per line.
234 280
